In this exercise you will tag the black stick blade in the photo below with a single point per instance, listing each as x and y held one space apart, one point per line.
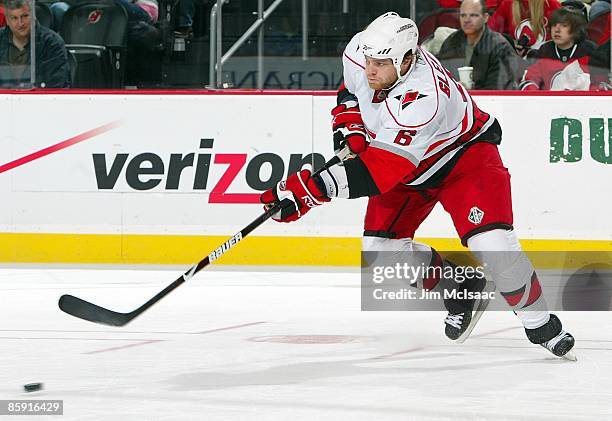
91 312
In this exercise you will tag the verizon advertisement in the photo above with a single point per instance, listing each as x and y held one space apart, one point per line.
190 171
196 164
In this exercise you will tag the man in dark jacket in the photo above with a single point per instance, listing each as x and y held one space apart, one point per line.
488 52
51 58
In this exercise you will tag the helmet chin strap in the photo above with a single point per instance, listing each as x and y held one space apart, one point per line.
398 68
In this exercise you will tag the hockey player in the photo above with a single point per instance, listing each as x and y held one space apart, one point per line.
410 137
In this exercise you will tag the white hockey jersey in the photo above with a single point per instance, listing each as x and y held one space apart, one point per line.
426 119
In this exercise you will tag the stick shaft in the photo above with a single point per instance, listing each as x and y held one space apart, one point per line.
94 313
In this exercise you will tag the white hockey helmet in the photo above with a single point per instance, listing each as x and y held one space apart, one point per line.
390 36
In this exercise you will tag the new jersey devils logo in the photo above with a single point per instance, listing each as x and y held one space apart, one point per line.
94 17
524 29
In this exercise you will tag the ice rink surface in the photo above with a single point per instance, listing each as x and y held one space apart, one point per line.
290 345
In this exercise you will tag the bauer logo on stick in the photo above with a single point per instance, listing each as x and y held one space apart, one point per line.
225 247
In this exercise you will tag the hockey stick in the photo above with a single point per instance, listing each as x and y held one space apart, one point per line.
88 311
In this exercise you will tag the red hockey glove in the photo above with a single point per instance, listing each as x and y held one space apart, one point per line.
297 195
350 136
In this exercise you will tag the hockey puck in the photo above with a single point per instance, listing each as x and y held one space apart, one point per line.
32 387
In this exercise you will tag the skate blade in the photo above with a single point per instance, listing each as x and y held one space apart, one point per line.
482 305
570 356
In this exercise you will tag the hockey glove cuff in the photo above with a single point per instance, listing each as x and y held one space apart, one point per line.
297 195
350 136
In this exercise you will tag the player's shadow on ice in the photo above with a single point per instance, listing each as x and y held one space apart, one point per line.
307 371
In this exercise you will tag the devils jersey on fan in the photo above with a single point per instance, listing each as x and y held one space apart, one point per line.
426 119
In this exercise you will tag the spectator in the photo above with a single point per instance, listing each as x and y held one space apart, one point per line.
51 58
149 6
434 42
524 22
487 51
58 9
578 6
599 8
568 46
184 18
449 4
491 4
185 11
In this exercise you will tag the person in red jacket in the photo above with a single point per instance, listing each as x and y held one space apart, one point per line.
569 44
455 4
524 21
2 16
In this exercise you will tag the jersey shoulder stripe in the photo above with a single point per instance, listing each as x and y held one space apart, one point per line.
353 61
353 64
352 52
464 123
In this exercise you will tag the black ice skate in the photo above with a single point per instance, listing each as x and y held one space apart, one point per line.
552 337
463 314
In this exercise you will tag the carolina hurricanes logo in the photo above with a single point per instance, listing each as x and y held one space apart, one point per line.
408 98
524 29
94 17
